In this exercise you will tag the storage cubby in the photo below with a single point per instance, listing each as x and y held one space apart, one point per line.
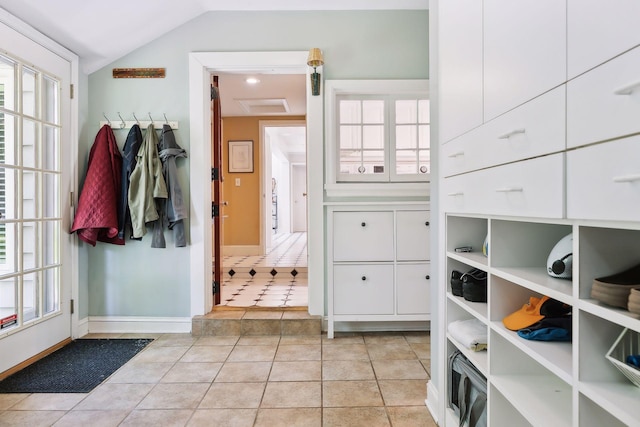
593 415
543 398
477 309
467 231
506 298
503 413
600 381
478 358
605 251
519 251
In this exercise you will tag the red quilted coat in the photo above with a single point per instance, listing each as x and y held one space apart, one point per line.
97 214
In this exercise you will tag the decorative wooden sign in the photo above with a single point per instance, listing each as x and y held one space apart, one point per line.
138 73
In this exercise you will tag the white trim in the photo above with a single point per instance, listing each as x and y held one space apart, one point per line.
83 327
133 324
379 326
201 64
432 401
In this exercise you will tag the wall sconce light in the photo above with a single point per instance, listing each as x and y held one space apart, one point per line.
315 60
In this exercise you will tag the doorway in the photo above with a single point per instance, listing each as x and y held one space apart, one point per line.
36 251
201 65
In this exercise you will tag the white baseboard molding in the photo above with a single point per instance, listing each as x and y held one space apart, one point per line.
432 400
83 327
134 324
395 326
236 250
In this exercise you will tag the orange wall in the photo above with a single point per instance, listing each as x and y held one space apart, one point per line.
242 225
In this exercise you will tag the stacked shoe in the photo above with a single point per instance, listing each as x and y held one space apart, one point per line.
634 301
615 290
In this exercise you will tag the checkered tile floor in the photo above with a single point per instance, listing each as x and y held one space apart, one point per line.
277 279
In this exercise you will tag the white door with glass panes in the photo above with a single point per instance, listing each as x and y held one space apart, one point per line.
35 186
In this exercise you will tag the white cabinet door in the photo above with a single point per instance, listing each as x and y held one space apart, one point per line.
363 289
524 51
412 235
599 31
605 102
363 236
603 181
413 284
460 57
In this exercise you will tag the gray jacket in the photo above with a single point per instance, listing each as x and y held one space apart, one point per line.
172 210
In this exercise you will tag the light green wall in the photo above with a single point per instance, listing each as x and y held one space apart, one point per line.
136 280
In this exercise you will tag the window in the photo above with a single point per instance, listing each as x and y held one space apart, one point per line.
377 132
30 220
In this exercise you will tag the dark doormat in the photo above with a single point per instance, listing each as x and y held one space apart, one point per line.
77 367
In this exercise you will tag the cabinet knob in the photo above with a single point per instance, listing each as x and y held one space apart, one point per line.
426 223
364 224
427 277
364 278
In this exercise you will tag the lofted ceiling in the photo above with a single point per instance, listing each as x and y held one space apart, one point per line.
100 32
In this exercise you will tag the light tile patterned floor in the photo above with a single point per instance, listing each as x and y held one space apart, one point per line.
277 279
355 380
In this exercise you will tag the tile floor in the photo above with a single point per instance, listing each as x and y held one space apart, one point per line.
367 380
277 279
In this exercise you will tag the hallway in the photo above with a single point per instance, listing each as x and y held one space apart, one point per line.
276 279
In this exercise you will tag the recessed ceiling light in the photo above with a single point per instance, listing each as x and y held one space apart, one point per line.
252 80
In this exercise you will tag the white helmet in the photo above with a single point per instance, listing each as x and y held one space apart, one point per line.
560 261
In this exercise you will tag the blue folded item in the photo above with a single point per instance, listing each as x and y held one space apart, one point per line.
548 329
545 334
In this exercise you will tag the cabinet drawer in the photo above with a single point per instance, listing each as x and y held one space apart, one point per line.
363 289
528 188
603 181
363 236
587 48
412 235
533 129
413 284
605 102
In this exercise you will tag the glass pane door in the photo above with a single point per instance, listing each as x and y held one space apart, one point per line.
30 214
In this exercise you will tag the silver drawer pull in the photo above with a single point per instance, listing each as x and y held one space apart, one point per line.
627 178
509 190
457 154
459 193
628 89
510 134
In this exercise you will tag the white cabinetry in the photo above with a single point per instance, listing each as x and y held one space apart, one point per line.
596 32
522 58
461 64
379 262
585 182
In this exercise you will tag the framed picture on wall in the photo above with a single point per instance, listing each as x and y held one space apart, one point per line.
240 156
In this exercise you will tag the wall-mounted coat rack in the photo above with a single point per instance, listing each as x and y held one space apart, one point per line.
121 123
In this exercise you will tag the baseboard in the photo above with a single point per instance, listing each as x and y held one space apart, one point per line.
432 400
131 324
239 250
394 326
83 327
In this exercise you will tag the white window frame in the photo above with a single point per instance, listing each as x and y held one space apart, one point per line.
390 89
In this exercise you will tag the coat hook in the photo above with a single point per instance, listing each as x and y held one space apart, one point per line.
137 121
105 116
151 118
123 124
165 118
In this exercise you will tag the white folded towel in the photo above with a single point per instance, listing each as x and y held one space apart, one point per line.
470 333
